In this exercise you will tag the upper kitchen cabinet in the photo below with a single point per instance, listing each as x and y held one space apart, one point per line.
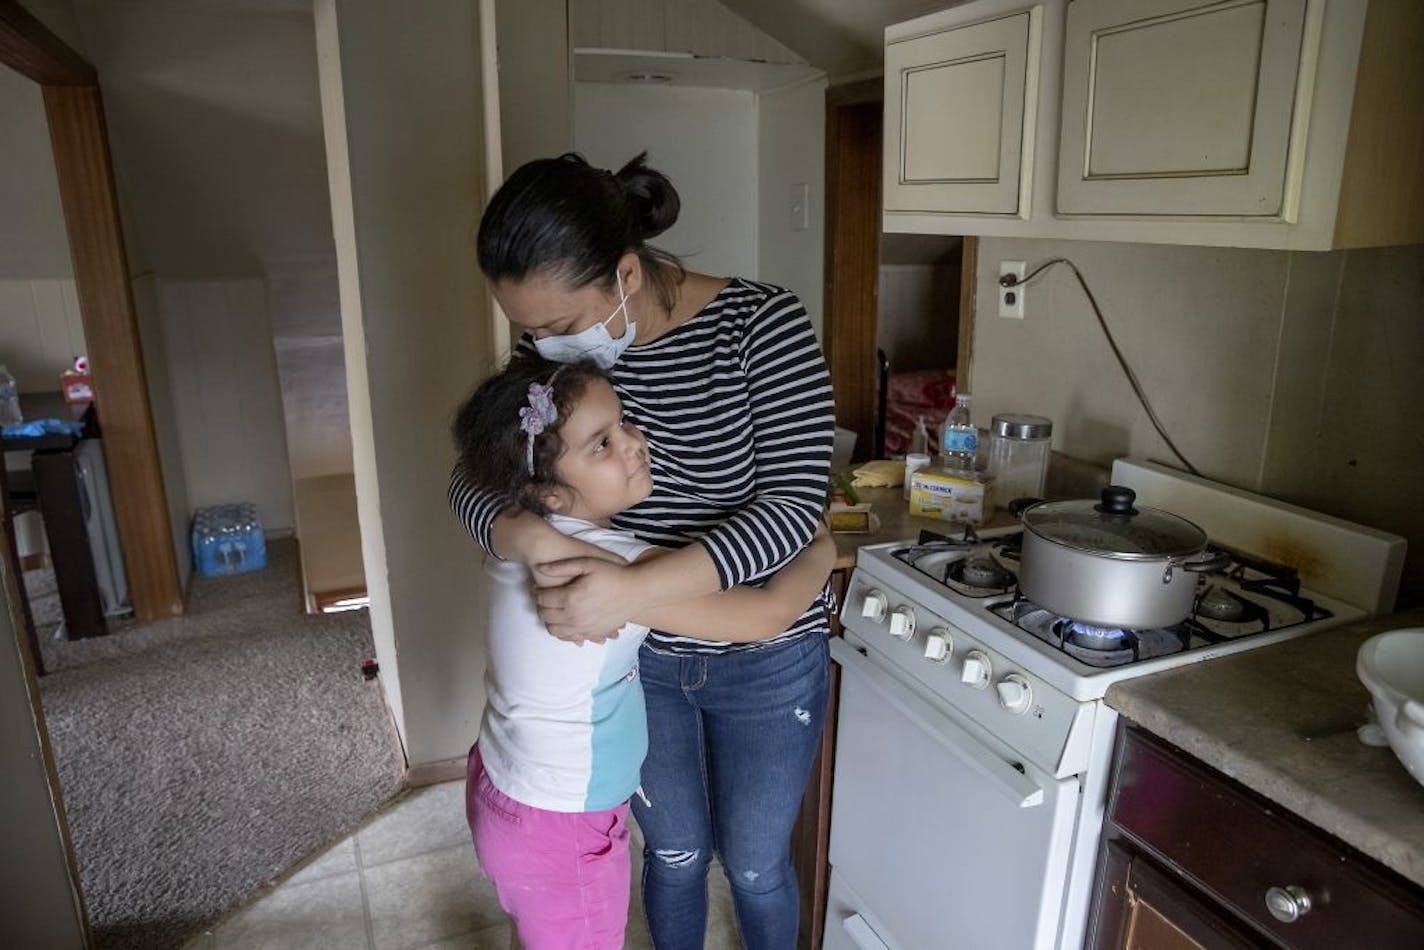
1179 107
1251 123
980 76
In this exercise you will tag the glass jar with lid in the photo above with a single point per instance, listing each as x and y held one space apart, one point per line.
1019 446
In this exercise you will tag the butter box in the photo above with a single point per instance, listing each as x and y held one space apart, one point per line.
937 494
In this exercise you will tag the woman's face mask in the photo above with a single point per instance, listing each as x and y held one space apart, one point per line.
592 343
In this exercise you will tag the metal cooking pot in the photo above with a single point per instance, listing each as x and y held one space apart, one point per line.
1111 564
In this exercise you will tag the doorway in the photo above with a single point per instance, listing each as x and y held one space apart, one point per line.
899 307
78 139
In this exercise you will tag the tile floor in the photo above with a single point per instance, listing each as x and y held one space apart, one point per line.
408 880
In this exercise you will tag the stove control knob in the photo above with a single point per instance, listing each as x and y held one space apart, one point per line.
902 623
1015 694
977 670
873 607
939 645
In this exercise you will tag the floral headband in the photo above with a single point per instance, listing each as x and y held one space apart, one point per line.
538 416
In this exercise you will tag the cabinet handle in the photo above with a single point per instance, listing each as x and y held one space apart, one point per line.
1287 904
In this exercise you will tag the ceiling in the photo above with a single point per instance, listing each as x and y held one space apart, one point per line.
843 38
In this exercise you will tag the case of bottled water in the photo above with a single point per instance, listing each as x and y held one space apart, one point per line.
228 539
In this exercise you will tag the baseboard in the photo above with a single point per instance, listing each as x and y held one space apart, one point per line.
433 773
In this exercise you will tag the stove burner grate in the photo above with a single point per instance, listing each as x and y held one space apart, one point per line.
967 564
1099 646
981 571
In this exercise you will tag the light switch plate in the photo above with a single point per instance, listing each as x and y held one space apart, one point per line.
800 212
1011 299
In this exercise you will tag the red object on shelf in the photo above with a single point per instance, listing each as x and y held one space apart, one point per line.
77 387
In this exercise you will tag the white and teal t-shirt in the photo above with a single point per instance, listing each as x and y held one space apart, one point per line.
564 727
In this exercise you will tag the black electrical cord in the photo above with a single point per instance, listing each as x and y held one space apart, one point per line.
1009 280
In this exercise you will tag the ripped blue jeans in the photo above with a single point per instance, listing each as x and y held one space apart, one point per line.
731 739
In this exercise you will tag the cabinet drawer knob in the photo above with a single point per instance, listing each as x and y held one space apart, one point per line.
1287 904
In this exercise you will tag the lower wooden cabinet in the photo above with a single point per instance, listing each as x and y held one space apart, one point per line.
1191 858
811 837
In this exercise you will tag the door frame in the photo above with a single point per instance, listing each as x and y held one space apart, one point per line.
84 168
852 261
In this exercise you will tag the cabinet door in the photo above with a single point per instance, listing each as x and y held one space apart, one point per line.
1181 107
959 116
1138 907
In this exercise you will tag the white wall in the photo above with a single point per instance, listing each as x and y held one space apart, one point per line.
535 91
1290 373
40 331
705 140
791 125
32 239
403 116
157 370
215 126
306 333
217 339
39 902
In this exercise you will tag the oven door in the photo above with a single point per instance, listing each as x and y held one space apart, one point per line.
936 827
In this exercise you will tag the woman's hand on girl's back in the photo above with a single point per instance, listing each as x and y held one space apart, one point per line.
585 598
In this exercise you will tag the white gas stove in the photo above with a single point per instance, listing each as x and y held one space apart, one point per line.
987 710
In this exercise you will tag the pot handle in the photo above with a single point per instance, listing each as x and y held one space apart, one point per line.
1201 563
1019 505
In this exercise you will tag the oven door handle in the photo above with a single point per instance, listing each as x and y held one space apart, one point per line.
1004 775
861 934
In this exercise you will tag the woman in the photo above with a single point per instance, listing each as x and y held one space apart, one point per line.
726 379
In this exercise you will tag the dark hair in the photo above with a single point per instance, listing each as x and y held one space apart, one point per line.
563 217
493 449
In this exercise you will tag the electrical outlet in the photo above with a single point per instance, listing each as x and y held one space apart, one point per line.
1011 299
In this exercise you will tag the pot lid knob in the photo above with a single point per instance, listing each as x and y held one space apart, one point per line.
1117 500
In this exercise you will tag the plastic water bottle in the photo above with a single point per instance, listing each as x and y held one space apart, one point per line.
920 438
959 440
9 400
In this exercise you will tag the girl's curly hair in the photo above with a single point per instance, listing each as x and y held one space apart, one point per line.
493 449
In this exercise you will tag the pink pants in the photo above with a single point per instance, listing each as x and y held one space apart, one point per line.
562 876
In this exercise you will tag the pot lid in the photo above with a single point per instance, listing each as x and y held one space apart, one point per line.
1113 527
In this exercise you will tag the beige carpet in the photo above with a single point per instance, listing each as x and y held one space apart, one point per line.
202 756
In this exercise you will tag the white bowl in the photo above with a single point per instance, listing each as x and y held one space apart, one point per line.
1391 665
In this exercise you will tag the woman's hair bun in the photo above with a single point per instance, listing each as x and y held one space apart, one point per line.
652 200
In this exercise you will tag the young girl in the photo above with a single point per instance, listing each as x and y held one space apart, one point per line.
565 730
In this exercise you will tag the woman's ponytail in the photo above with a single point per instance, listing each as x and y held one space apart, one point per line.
652 200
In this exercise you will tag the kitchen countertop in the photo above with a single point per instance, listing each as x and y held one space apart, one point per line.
1281 721
896 523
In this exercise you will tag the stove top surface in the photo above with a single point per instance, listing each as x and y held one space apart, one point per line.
977 572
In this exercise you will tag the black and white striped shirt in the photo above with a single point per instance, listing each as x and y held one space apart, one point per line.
736 405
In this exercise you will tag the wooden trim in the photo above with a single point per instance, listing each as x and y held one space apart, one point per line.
433 773
811 835
856 93
28 47
968 287
321 600
101 276
852 269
